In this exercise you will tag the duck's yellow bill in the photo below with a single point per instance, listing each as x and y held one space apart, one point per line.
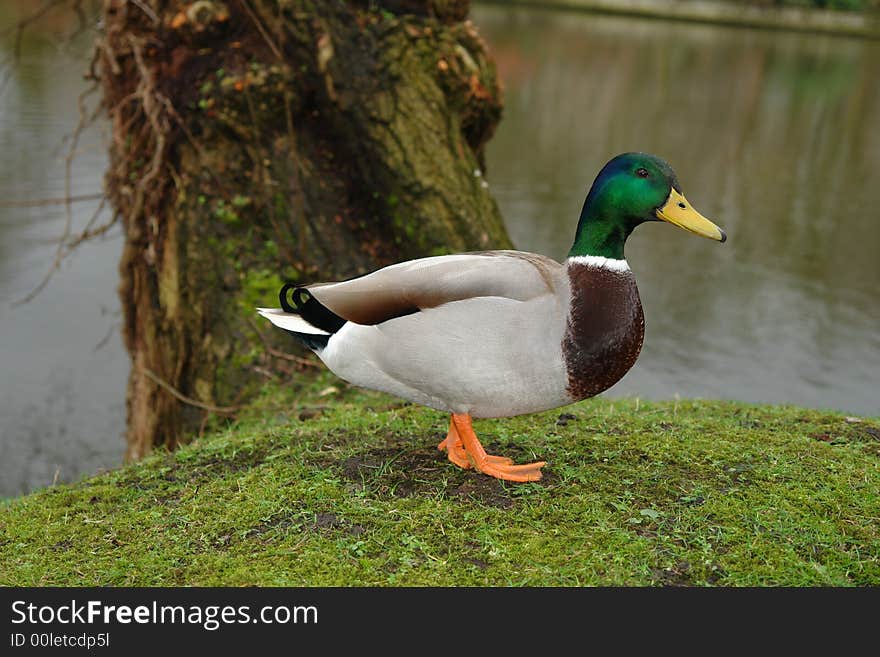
678 211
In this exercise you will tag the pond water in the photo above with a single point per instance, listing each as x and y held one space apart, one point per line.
62 390
774 136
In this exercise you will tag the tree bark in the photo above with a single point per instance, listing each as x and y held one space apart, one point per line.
258 141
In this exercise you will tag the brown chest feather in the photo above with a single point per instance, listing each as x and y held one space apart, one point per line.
605 328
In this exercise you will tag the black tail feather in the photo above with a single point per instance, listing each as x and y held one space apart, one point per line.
313 311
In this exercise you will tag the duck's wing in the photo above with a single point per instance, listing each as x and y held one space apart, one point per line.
411 286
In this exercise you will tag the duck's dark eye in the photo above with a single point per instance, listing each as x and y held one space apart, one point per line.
642 172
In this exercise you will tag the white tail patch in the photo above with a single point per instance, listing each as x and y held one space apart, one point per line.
289 321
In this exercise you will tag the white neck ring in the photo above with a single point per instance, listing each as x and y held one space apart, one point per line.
600 262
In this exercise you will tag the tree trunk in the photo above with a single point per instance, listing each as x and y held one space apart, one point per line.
258 141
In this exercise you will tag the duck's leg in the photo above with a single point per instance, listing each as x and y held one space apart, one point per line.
455 450
494 466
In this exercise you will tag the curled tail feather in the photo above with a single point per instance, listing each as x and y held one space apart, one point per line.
306 319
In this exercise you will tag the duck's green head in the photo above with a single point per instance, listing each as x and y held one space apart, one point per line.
631 189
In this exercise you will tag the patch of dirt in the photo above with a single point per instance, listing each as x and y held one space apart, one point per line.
717 574
330 521
475 555
309 413
279 522
212 465
197 470
479 563
327 521
424 471
564 419
322 522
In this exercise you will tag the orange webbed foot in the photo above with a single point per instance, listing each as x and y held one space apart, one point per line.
456 453
464 449
517 473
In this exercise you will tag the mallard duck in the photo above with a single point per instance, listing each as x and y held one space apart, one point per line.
499 333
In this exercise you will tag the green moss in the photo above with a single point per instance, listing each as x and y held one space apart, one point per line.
241 201
257 286
226 213
322 484
270 247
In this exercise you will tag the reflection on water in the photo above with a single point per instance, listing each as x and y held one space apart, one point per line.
62 399
773 135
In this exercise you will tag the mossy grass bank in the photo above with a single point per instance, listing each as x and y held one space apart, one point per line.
323 484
